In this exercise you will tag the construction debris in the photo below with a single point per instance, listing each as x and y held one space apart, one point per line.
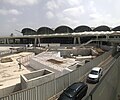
4 60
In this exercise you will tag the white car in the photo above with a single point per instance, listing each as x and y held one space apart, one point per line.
94 75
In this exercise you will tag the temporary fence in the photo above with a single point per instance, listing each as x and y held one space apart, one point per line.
25 59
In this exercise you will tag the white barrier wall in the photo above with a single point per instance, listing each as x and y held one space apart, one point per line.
118 88
80 51
34 63
7 90
36 78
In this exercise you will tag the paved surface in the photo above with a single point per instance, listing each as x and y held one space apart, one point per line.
103 64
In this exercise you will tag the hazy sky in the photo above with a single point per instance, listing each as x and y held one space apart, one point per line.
18 14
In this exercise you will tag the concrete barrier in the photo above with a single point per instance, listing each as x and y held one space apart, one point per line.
36 78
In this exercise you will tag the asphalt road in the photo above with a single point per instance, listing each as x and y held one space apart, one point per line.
105 66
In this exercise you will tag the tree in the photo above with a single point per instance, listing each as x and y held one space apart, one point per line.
11 34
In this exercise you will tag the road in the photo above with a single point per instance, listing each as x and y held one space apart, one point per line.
105 66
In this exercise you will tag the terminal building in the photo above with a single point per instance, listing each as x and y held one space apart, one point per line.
62 35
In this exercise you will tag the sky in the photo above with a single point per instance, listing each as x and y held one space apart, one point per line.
19 14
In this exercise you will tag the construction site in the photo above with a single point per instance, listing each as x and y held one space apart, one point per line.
42 72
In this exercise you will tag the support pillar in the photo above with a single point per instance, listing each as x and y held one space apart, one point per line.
13 41
21 41
79 42
100 43
107 37
97 42
74 40
35 42
7 41
39 42
97 37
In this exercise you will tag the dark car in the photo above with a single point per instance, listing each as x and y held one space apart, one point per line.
76 91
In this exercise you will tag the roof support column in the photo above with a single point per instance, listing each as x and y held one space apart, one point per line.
21 40
79 41
7 41
74 40
97 42
97 37
13 41
39 42
35 42
100 43
107 37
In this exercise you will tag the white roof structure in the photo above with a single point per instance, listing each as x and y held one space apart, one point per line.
79 34
102 33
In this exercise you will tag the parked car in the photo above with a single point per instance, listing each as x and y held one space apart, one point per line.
76 91
94 75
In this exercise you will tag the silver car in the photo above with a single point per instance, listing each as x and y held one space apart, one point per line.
94 75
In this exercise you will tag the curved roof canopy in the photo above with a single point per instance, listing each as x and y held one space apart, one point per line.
116 28
63 29
82 28
45 30
28 31
102 28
